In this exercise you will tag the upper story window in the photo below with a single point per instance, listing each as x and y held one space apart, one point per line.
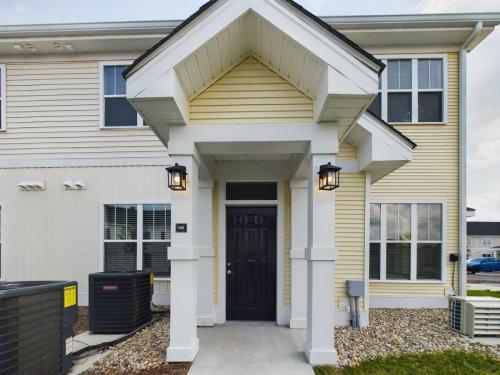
412 90
406 241
3 117
116 111
486 242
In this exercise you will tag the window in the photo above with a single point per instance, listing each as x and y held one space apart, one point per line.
251 191
137 237
486 242
411 90
406 241
116 110
3 117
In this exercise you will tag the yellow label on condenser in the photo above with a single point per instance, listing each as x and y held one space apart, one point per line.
70 296
151 278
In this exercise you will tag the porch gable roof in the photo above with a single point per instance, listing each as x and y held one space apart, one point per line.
131 68
338 75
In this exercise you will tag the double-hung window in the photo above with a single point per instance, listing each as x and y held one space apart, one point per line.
3 106
486 242
116 111
406 241
412 90
137 237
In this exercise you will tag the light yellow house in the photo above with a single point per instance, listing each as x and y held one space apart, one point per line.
260 103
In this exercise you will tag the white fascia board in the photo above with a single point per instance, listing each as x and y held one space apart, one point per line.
379 150
200 31
316 42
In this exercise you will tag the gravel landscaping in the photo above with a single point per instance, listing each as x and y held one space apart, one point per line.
144 353
396 331
391 332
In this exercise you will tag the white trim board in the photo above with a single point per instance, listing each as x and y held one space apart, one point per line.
87 162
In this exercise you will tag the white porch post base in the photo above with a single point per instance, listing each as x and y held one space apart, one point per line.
320 348
183 354
319 357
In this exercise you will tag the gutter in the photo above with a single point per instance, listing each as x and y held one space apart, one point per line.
462 199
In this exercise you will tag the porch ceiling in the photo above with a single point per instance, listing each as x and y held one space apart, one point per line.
339 79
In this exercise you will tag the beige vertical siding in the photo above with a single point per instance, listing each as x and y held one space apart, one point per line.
57 234
350 232
287 243
433 174
215 239
53 112
251 93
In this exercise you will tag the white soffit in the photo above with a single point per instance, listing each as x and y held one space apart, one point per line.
381 150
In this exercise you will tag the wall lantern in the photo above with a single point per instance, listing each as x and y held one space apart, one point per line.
329 177
177 177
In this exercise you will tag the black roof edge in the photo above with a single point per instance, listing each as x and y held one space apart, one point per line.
300 8
175 31
337 33
393 129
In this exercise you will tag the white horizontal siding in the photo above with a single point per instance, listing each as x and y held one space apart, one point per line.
56 234
53 113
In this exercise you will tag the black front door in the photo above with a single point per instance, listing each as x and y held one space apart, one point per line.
251 263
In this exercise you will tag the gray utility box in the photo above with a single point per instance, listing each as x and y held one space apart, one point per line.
355 288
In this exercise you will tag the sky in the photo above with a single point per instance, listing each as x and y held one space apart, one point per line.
483 154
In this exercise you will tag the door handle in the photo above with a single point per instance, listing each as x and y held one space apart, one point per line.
229 272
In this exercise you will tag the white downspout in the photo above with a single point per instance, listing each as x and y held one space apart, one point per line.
463 157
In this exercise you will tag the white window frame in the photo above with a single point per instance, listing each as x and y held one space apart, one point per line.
484 239
414 87
139 241
3 98
414 240
102 117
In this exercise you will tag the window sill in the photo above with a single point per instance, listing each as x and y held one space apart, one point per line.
162 278
417 123
408 281
122 127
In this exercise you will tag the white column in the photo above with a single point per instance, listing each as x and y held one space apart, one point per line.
298 318
183 255
206 252
320 255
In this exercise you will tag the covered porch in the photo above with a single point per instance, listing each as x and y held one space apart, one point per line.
253 235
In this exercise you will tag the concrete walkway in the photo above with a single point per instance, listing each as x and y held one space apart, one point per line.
249 349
